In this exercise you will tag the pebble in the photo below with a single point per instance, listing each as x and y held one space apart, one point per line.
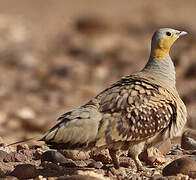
158 177
22 147
56 157
182 165
188 141
96 165
193 153
9 178
124 164
24 171
90 25
102 156
2 143
50 165
26 113
18 157
153 157
92 174
191 71
192 174
27 117
70 163
3 117
27 153
38 151
164 146
40 177
79 177
81 163
3 154
9 158
75 154
53 156
176 152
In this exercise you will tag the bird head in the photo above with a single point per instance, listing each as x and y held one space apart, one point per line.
162 41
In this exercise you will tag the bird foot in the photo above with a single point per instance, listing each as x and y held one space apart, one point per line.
142 168
120 172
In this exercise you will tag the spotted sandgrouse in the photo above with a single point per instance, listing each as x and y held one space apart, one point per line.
133 114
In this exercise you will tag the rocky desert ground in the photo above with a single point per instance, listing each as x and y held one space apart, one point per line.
56 55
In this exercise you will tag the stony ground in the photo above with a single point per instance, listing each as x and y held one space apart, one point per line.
58 58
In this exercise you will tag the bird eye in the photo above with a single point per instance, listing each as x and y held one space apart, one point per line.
168 33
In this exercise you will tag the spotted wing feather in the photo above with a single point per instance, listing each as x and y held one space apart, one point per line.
135 110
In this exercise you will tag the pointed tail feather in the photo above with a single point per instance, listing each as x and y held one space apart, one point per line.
38 138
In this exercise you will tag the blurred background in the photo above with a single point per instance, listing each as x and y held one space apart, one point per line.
56 55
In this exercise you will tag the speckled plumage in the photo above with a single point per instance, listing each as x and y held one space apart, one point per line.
133 114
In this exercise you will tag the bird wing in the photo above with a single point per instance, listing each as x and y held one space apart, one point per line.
134 110
75 129
130 110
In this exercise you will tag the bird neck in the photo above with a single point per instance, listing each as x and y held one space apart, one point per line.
162 71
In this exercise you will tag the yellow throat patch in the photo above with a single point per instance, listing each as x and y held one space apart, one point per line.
162 47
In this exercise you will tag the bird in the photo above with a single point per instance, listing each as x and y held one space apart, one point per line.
133 114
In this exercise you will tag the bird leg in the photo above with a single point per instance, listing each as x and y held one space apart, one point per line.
112 153
138 163
134 151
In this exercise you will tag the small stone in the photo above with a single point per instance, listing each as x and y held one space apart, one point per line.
164 146
18 157
192 157
176 152
2 143
3 117
21 156
79 177
9 158
102 156
192 174
27 153
96 165
24 171
53 156
22 147
90 25
124 164
182 165
50 165
37 154
188 141
26 113
3 154
69 163
183 177
193 153
75 154
158 177
92 174
153 157
27 118
13 124
191 71
121 172
9 178
81 163
40 177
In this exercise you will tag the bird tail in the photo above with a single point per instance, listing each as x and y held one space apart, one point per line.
37 138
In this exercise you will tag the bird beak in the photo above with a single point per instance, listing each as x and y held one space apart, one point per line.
182 33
